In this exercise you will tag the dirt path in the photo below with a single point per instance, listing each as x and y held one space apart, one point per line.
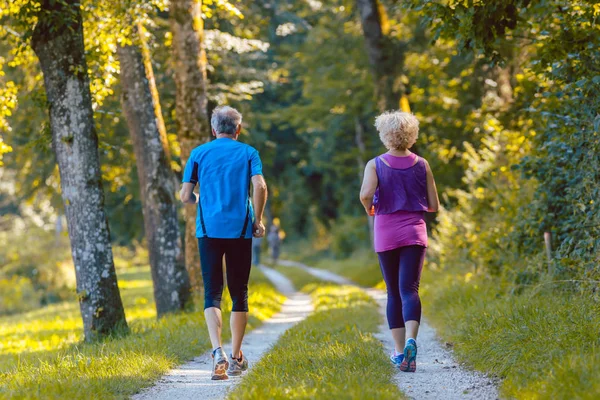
438 376
192 380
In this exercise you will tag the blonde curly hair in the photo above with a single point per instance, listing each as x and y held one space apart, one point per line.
397 130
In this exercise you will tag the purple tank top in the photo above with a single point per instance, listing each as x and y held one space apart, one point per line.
401 189
400 203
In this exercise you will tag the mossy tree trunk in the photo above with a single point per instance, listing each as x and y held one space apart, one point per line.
189 59
58 42
385 56
139 99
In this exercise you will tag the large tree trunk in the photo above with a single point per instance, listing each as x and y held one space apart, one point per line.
58 42
171 282
193 124
385 58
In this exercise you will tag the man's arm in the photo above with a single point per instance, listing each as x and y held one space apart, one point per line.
190 178
259 199
187 194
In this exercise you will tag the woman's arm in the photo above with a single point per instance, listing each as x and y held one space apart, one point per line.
369 186
433 201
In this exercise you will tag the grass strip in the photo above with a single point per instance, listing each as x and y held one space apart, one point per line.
545 344
299 277
331 354
42 356
362 267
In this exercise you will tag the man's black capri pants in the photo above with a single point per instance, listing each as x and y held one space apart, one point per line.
238 256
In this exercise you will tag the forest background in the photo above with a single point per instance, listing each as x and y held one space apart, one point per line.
507 95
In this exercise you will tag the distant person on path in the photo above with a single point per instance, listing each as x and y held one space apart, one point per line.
225 224
256 247
274 243
398 188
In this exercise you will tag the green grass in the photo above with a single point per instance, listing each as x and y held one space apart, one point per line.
362 267
42 354
332 354
544 344
299 277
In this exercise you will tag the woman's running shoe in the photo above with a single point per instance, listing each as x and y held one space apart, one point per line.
396 358
409 363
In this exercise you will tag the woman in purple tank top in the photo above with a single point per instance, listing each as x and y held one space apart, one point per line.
398 188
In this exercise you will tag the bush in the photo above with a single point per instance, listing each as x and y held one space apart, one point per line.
349 234
41 258
17 294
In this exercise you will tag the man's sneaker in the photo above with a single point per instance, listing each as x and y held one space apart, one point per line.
237 366
396 358
220 365
409 364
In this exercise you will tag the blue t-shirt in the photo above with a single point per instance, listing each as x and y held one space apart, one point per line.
223 168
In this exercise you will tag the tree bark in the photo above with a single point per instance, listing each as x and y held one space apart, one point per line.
385 58
171 282
193 125
58 42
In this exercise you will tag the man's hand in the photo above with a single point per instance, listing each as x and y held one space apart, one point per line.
187 194
258 229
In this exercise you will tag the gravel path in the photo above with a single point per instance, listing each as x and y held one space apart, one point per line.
192 380
438 376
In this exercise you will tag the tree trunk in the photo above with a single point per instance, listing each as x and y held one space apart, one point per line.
385 58
171 282
58 42
193 125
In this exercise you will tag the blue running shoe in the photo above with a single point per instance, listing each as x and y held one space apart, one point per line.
409 363
396 359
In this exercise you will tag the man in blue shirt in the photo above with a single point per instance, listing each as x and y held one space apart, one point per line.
227 220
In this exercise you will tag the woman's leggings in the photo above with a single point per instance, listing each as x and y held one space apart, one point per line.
401 270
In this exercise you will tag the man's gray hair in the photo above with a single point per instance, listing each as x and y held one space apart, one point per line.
225 120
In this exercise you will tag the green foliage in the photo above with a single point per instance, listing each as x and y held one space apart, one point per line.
550 49
542 344
348 234
330 346
478 232
42 273
17 294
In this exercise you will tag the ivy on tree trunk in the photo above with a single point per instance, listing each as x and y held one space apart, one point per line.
58 42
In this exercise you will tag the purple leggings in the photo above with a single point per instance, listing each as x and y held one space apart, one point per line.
401 270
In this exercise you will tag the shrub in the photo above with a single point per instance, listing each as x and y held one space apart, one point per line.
17 294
